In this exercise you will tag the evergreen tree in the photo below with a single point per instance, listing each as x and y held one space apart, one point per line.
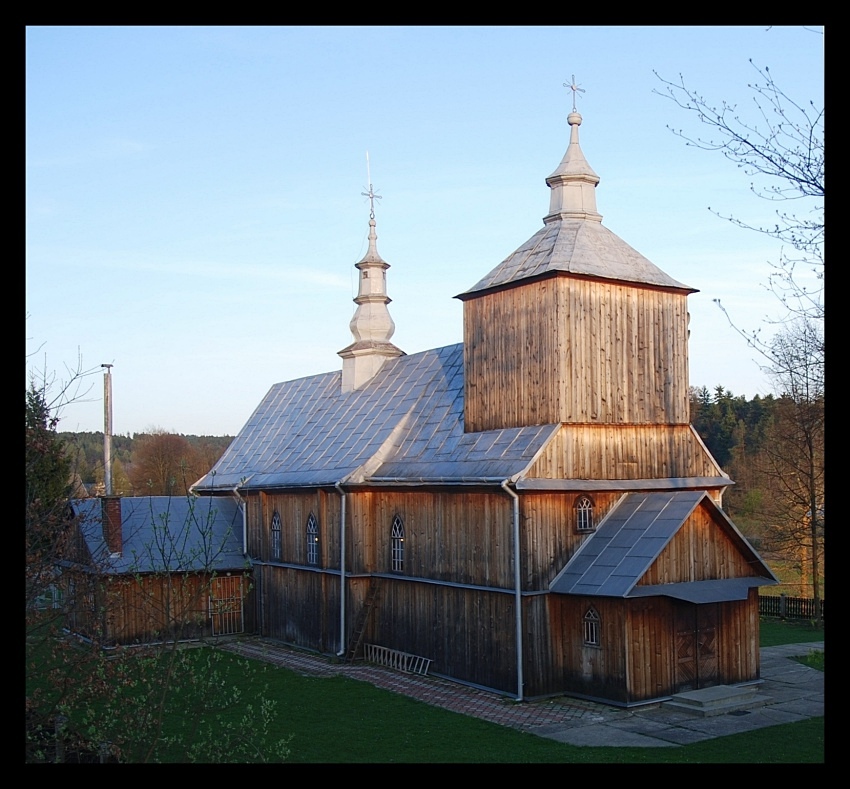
47 483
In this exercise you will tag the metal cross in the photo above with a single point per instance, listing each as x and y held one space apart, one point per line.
371 193
575 89
372 197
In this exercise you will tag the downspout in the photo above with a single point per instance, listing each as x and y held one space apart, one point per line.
338 486
517 588
243 505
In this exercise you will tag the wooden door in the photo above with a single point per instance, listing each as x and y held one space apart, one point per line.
696 645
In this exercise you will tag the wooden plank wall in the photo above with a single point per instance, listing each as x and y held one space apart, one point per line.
301 607
549 533
637 657
650 648
294 509
458 536
739 657
700 551
565 663
624 452
152 607
576 350
467 634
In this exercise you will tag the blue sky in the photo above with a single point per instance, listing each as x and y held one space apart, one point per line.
194 206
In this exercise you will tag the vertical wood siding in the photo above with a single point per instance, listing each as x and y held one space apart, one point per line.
569 665
550 535
624 452
461 537
575 350
467 634
294 509
301 607
700 551
160 607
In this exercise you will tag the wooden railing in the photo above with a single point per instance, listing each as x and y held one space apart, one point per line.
786 607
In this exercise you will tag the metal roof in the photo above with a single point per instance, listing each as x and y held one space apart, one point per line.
576 246
720 590
167 534
404 426
630 538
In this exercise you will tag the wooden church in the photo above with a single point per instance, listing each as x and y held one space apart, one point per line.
529 511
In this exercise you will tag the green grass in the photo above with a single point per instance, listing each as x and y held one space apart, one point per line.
341 720
774 632
814 659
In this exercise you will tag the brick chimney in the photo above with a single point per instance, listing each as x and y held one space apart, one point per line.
111 521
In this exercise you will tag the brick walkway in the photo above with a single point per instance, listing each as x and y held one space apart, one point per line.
433 690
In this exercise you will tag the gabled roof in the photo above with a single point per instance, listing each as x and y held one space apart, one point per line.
631 537
404 426
578 247
167 534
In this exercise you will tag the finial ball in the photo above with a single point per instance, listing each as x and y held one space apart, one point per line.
574 119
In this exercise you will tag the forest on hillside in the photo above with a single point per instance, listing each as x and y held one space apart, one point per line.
147 464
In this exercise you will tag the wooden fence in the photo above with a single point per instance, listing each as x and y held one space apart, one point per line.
787 607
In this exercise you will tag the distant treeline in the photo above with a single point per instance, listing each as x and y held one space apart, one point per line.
156 463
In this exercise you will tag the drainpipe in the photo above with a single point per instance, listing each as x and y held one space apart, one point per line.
243 505
338 486
517 588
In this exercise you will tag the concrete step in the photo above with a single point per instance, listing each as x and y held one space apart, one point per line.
719 700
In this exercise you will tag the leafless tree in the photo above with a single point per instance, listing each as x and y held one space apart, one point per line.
779 144
793 461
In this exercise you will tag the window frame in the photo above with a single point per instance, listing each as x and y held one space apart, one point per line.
276 544
312 530
397 545
592 628
584 514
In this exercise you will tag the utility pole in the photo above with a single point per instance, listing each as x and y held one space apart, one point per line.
107 428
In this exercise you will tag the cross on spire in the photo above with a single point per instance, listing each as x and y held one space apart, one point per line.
575 89
371 193
372 197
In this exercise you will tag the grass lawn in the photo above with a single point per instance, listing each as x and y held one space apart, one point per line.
341 720
814 659
773 632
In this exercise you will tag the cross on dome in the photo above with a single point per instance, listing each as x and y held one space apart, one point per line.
574 88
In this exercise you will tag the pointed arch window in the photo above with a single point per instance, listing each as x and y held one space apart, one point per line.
276 537
312 540
584 514
592 624
397 545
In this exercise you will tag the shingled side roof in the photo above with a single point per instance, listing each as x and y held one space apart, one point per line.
403 426
167 534
631 537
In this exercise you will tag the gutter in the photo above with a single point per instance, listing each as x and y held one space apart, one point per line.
338 486
517 589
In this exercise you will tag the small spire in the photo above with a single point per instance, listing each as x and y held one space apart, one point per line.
372 326
573 183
